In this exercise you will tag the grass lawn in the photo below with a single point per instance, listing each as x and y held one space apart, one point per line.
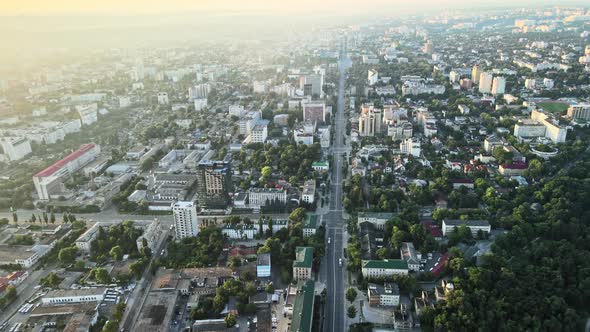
553 106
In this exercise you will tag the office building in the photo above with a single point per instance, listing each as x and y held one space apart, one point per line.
579 112
312 85
370 120
302 263
15 148
259 132
485 82
214 184
475 72
449 225
259 197
498 85
50 180
308 192
69 296
185 219
540 124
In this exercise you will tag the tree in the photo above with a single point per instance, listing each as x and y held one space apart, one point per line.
45 217
100 275
351 294
351 312
234 263
67 255
65 218
270 288
51 280
230 320
52 218
116 253
14 218
111 326
33 218
266 173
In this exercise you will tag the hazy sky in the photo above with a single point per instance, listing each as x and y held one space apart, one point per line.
126 7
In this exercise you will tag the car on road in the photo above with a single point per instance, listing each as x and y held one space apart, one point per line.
339 261
329 240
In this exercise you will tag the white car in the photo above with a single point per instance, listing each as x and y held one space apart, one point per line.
329 240
339 261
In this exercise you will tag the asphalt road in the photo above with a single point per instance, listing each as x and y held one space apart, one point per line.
332 274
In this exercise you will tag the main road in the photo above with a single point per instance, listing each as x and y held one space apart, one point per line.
331 273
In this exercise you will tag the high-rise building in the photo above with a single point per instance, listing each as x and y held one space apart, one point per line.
485 82
214 183
199 91
428 47
475 72
186 223
370 120
498 85
312 84
579 112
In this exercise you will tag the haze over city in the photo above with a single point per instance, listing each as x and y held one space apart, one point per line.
294 166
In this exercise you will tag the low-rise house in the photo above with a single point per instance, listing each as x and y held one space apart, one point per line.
384 268
302 263
408 253
309 225
441 292
402 318
383 295
263 266
378 219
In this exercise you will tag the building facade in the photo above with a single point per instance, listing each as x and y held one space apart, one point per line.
185 219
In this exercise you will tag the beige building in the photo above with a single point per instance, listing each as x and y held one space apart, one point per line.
303 263
370 120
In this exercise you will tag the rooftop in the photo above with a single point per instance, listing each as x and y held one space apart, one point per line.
75 292
303 257
62 163
310 221
456 222
392 264
263 259
303 307
377 215
183 204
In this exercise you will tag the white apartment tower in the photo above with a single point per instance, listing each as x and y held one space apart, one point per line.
185 219
485 82
370 120
475 72
498 85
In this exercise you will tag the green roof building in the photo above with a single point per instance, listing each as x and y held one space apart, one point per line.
303 307
309 225
384 268
303 262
